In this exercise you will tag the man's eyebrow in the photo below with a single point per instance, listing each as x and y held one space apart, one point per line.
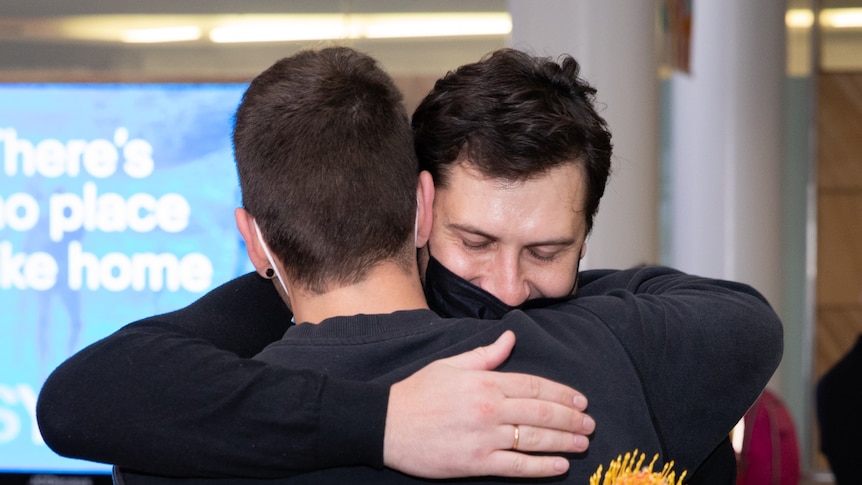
470 229
475 230
552 242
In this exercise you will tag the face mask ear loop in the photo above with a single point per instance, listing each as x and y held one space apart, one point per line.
416 229
269 258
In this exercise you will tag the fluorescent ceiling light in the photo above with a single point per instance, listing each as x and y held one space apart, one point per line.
841 18
161 34
834 18
276 28
120 28
279 28
799 18
432 25
256 27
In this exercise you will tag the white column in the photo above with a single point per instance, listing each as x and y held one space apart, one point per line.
725 146
614 41
725 161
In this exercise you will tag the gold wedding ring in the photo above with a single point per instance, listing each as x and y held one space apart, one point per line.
517 437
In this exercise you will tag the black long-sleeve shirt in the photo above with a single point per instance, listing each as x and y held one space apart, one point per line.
178 394
704 351
630 350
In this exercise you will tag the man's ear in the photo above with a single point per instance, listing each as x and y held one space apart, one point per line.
424 203
246 227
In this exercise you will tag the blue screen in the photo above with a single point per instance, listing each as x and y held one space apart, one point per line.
116 203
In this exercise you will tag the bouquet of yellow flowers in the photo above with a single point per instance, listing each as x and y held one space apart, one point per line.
629 470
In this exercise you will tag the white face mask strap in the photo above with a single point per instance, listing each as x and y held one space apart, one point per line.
269 258
416 229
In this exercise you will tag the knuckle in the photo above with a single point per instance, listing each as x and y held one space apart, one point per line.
535 387
483 410
486 410
566 442
481 352
530 439
544 413
519 465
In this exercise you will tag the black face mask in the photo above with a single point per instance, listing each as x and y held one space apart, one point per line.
451 296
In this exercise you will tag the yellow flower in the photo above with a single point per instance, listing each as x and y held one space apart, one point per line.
627 471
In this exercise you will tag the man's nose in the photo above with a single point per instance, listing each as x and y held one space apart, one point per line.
506 281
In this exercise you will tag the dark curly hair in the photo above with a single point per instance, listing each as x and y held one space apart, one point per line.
514 116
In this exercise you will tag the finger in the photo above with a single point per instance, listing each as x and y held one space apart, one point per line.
546 414
487 357
531 438
565 431
516 385
514 464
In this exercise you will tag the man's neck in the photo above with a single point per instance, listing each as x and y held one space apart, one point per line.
388 288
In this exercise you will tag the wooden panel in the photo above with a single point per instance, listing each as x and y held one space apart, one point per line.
839 131
837 330
839 248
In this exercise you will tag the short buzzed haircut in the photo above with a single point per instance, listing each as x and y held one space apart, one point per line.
324 151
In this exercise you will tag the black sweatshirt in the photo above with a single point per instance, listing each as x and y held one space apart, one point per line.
168 394
670 363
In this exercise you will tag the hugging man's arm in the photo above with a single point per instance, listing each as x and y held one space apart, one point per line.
178 395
